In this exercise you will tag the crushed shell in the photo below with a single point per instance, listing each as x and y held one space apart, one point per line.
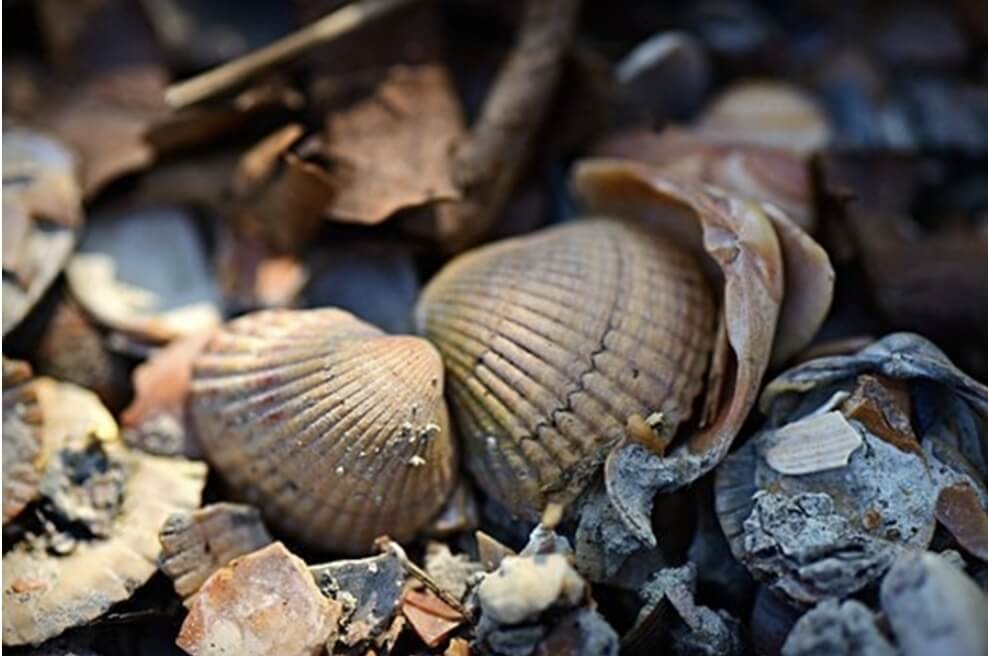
813 444
553 340
336 431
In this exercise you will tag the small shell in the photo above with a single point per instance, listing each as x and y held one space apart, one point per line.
22 438
337 431
554 340
812 444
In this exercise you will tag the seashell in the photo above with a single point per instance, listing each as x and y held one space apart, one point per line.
812 444
765 113
42 209
337 431
22 439
553 340
146 273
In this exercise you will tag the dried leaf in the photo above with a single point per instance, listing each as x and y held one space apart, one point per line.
432 619
392 151
757 173
959 509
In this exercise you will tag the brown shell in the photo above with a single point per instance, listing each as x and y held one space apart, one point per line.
22 438
552 341
337 431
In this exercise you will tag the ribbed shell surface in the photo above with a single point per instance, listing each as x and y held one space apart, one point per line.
553 340
337 431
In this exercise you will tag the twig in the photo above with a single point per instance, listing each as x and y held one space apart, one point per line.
489 162
387 544
234 72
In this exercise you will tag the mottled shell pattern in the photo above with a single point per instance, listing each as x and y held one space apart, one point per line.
337 431
554 340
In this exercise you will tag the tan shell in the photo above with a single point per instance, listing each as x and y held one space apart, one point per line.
22 438
552 341
335 430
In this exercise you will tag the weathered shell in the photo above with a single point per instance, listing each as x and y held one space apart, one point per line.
22 439
336 431
552 341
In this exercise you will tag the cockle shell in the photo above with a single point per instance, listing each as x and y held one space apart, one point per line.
337 431
552 341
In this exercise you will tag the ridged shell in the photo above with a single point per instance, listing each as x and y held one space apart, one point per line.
553 340
337 431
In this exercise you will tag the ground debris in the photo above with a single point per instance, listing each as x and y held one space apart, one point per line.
840 628
195 544
263 603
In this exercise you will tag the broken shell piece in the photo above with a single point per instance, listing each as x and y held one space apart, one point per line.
764 113
46 593
933 608
316 417
22 439
552 340
370 590
452 573
42 208
196 544
262 603
840 628
582 632
812 444
146 273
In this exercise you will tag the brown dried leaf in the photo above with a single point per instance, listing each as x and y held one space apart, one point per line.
431 618
262 603
959 510
757 173
392 151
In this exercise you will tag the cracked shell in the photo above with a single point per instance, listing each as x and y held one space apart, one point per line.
337 431
554 340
